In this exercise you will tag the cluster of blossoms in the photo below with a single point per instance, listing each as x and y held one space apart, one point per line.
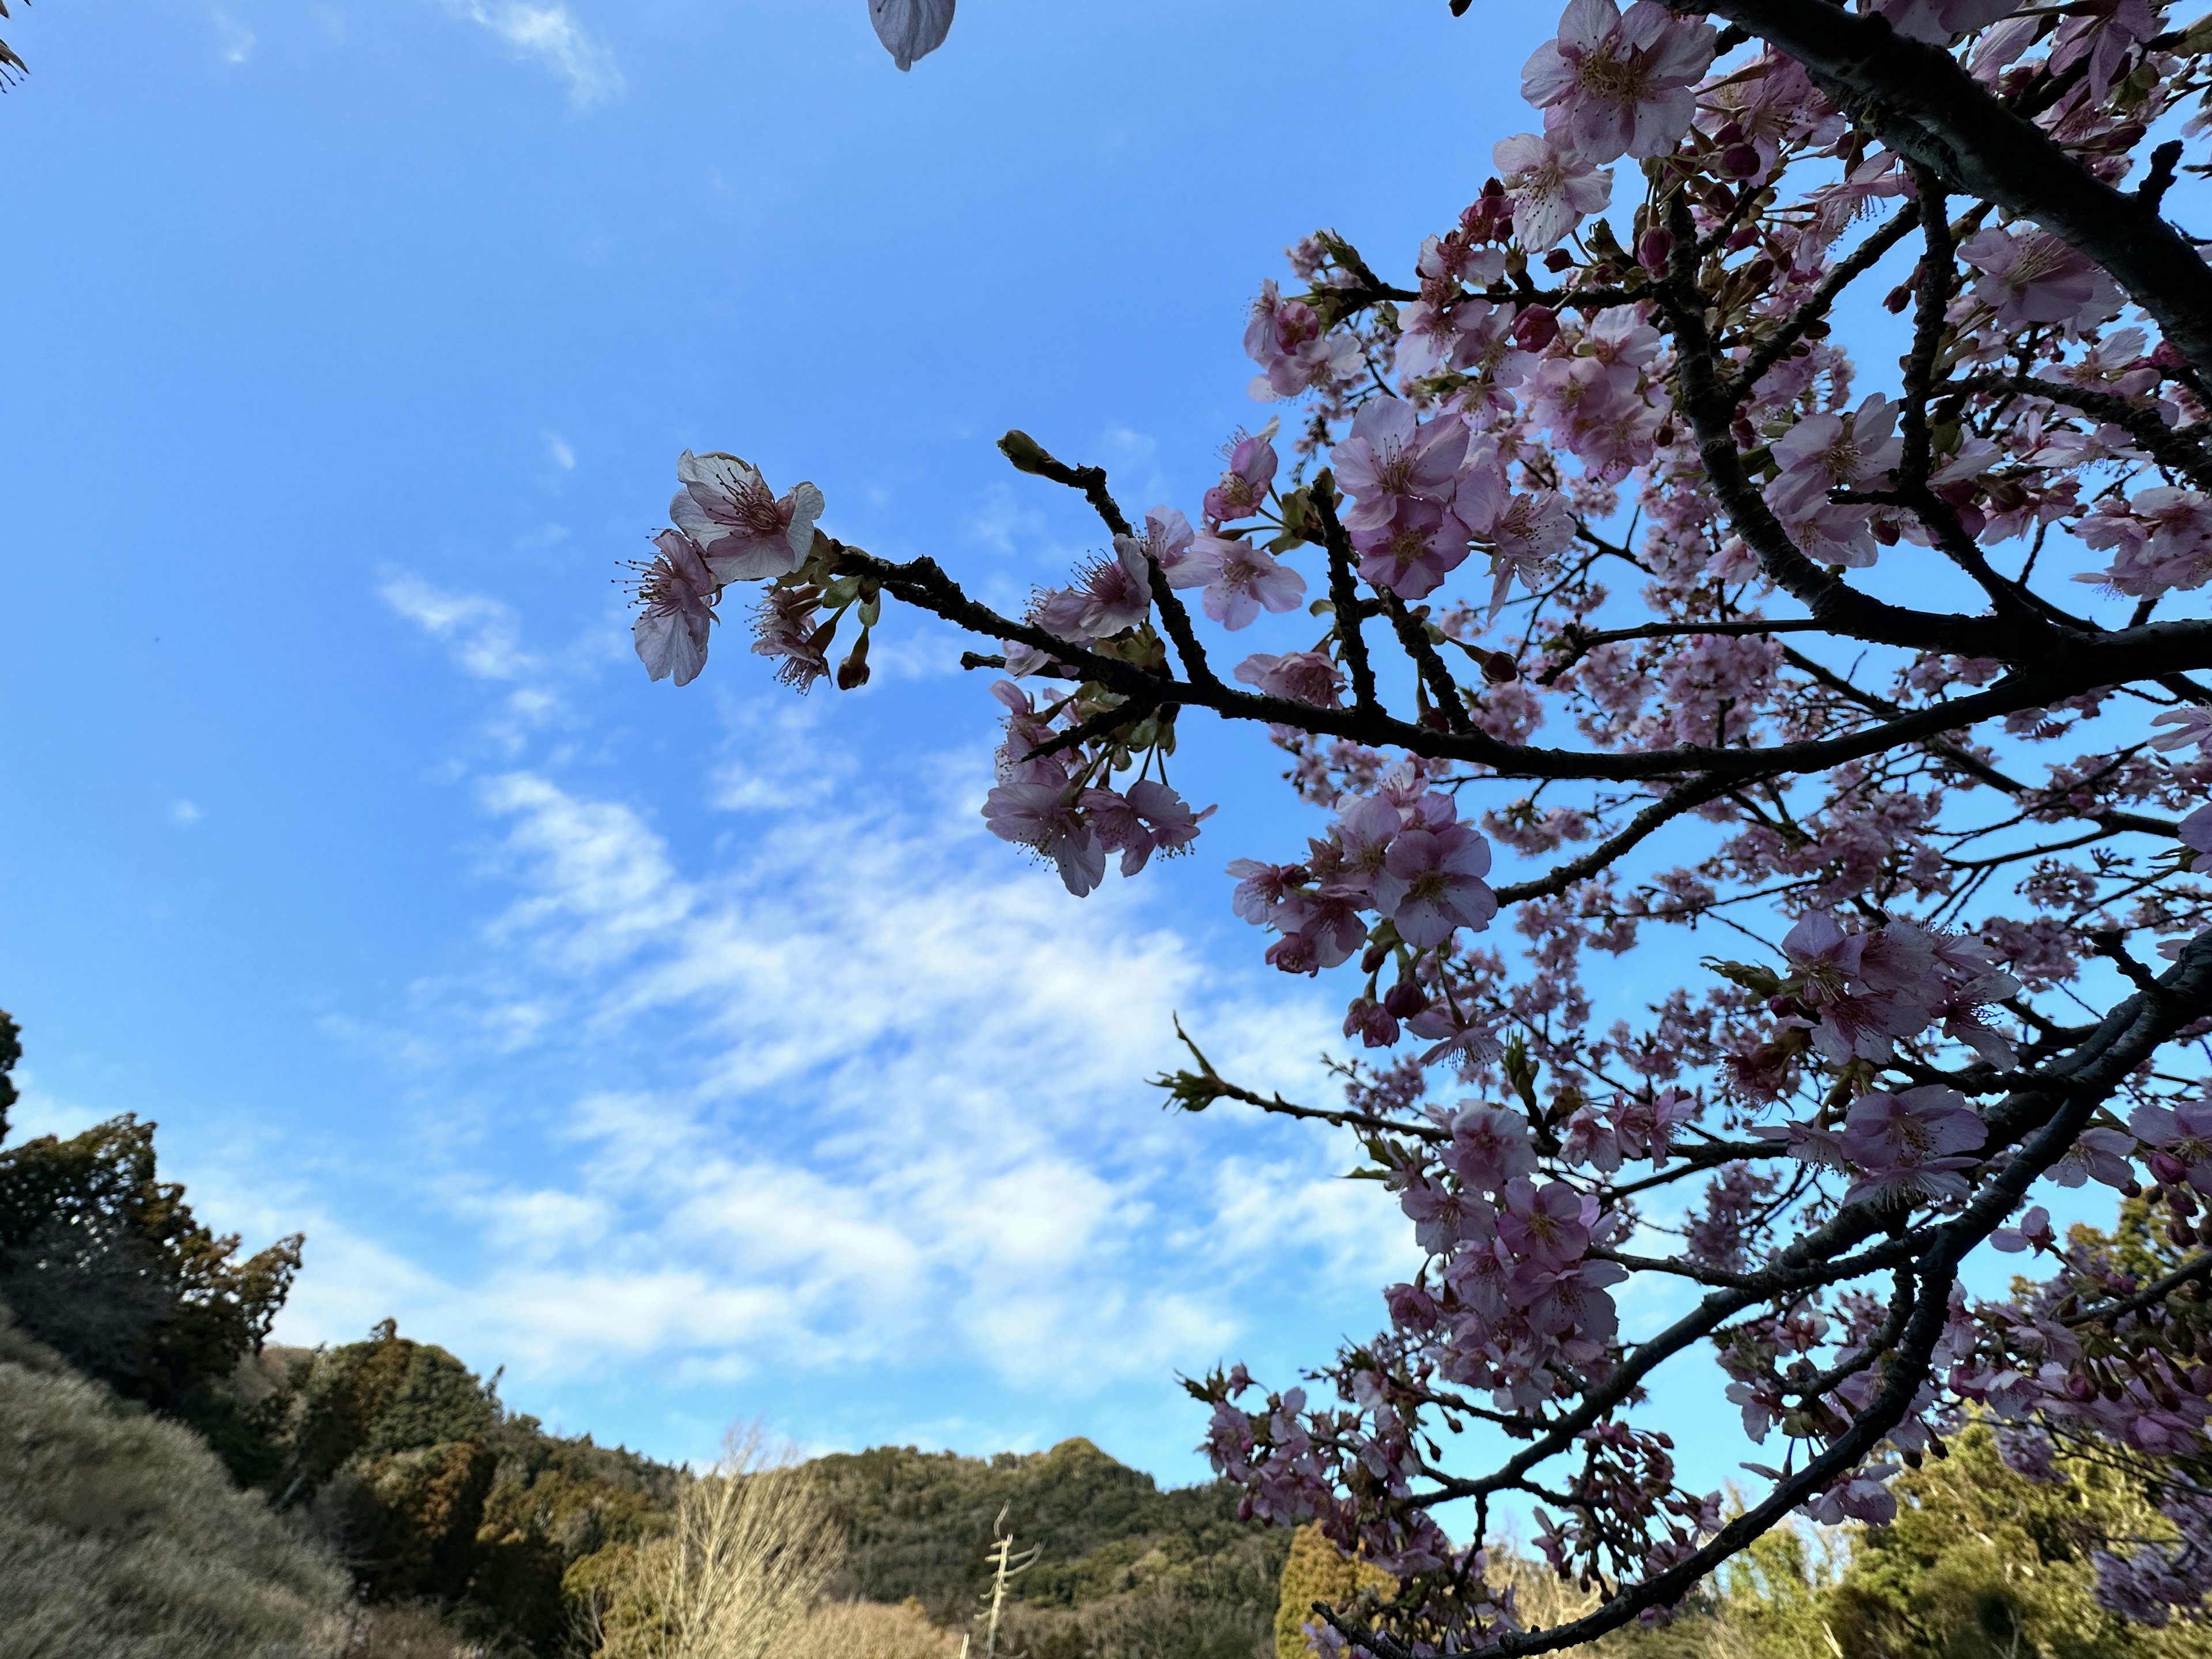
1898 682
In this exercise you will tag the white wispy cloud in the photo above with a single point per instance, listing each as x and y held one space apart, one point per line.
856 1088
558 452
237 39
550 31
483 634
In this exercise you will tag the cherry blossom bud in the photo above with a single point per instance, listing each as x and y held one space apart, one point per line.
1499 668
1405 999
853 672
1373 958
1653 247
1535 328
1741 161
2170 1171
1027 454
1557 259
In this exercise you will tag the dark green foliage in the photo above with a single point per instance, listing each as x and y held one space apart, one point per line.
11 1046
1984 1563
431 1490
104 1261
1124 1567
1215 1606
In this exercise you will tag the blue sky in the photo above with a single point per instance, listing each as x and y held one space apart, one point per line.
692 1056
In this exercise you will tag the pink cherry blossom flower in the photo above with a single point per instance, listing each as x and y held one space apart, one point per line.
1808 1143
1572 1301
1372 1023
746 532
1822 953
1391 459
1645 1128
1545 1225
1909 1144
1940 21
1261 888
1294 351
1859 1496
1490 354
1415 553
2031 276
1044 817
1552 187
1443 1215
1240 579
1301 676
1166 816
2033 1232
2180 1137
1827 451
677 595
1327 925
1151 817
2192 724
1168 538
2163 539
2195 831
2097 1155
1117 591
785 625
910 28
1363 831
1430 884
1590 1142
1244 486
1489 1147
2104 36
1612 84
1466 1042
1428 334
1526 535
1832 533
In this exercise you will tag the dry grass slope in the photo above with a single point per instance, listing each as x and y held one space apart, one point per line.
121 1536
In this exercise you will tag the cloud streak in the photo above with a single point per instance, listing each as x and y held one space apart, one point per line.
851 1086
550 33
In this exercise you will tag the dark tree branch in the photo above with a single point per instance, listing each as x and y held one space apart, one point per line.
1863 258
1922 104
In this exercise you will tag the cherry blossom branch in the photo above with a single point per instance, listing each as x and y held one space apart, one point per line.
1431 667
1581 641
2143 1023
2195 1268
1682 798
2182 449
1029 456
1711 406
1923 105
1863 258
1344 595
1194 1091
2106 659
